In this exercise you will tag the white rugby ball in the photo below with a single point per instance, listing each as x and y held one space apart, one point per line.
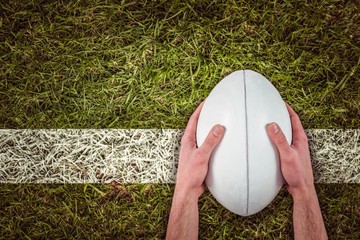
244 170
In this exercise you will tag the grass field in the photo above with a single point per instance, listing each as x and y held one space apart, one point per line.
148 64
76 211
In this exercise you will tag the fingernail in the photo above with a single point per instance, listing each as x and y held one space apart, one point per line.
218 130
274 128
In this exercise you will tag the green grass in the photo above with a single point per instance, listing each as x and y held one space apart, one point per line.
148 64
99 64
141 211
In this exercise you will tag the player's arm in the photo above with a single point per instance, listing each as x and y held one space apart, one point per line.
308 222
297 171
192 169
184 216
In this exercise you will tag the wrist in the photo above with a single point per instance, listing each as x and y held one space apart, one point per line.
187 194
303 194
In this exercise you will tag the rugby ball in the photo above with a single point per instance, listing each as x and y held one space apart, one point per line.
244 170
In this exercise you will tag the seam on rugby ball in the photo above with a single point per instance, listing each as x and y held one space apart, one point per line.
246 145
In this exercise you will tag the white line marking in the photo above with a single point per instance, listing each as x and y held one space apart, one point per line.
141 155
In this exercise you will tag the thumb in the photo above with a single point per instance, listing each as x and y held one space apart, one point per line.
212 140
278 138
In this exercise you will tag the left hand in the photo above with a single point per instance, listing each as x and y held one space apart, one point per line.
193 160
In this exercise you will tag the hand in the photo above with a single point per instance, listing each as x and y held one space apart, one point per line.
193 161
294 159
296 168
192 169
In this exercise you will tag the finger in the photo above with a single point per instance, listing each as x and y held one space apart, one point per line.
298 132
212 140
190 131
278 138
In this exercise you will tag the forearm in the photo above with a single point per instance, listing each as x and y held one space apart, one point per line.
308 221
184 216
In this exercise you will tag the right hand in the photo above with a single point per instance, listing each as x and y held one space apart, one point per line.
295 161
